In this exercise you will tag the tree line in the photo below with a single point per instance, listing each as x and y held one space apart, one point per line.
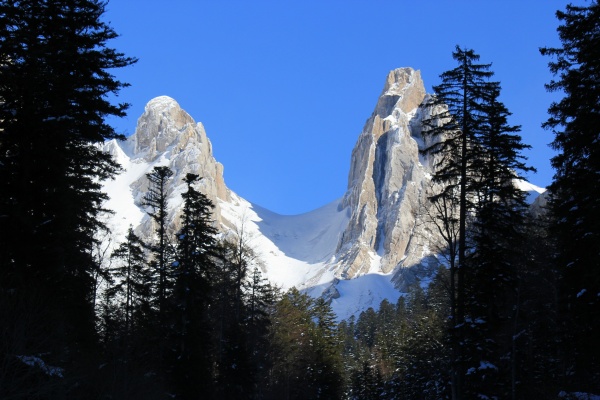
187 314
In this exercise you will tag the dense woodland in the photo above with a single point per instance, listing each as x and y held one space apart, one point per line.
513 315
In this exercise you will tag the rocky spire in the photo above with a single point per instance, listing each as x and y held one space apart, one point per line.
387 184
167 135
166 131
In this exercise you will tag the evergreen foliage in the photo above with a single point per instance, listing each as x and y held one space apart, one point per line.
305 348
132 280
497 234
575 204
156 200
477 159
193 271
55 82
455 144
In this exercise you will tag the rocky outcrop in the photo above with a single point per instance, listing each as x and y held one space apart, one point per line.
165 130
388 184
539 207
167 135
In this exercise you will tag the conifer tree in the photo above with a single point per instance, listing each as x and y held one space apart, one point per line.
367 383
132 279
259 305
55 84
457 156
292 373
193 270
156 199
575 204
497 234
327 347
477 161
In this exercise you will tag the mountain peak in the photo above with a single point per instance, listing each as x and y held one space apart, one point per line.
162 103
160 126
403 90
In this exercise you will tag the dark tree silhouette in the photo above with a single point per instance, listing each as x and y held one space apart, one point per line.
575 204
457 155
54 89
156 198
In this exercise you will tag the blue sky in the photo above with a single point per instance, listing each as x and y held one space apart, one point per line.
284 88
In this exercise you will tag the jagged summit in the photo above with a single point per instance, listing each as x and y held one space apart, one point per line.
403 89
162 102
371 231
387 184
162 124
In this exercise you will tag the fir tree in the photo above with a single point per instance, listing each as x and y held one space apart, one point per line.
290 351
327 347
477 158
259 304
457 157
193 271
156 199
55 86
132 279
497 234
575 204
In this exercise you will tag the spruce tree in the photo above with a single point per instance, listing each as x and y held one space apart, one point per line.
292 374
456 153
497 233
454 140
193 271
575 205
259 304
477 159
132 280
156 198
240 318
327 347
55 84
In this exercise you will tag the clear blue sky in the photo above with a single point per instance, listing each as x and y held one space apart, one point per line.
284 88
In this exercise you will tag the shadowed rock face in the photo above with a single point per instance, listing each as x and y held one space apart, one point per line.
388 183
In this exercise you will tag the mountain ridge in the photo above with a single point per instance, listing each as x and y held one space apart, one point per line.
356 250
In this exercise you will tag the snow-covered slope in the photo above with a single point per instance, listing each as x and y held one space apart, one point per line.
532 190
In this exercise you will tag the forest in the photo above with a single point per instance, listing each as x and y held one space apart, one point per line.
514 313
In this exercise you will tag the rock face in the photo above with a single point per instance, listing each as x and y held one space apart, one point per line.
166 131
167 136
388 184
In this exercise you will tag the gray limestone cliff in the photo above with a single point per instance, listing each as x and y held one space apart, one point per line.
167 135
388 184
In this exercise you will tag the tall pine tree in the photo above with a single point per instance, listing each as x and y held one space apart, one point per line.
477 158
497 234
457 155
156 198
132 280
193 271
575 122
55 82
